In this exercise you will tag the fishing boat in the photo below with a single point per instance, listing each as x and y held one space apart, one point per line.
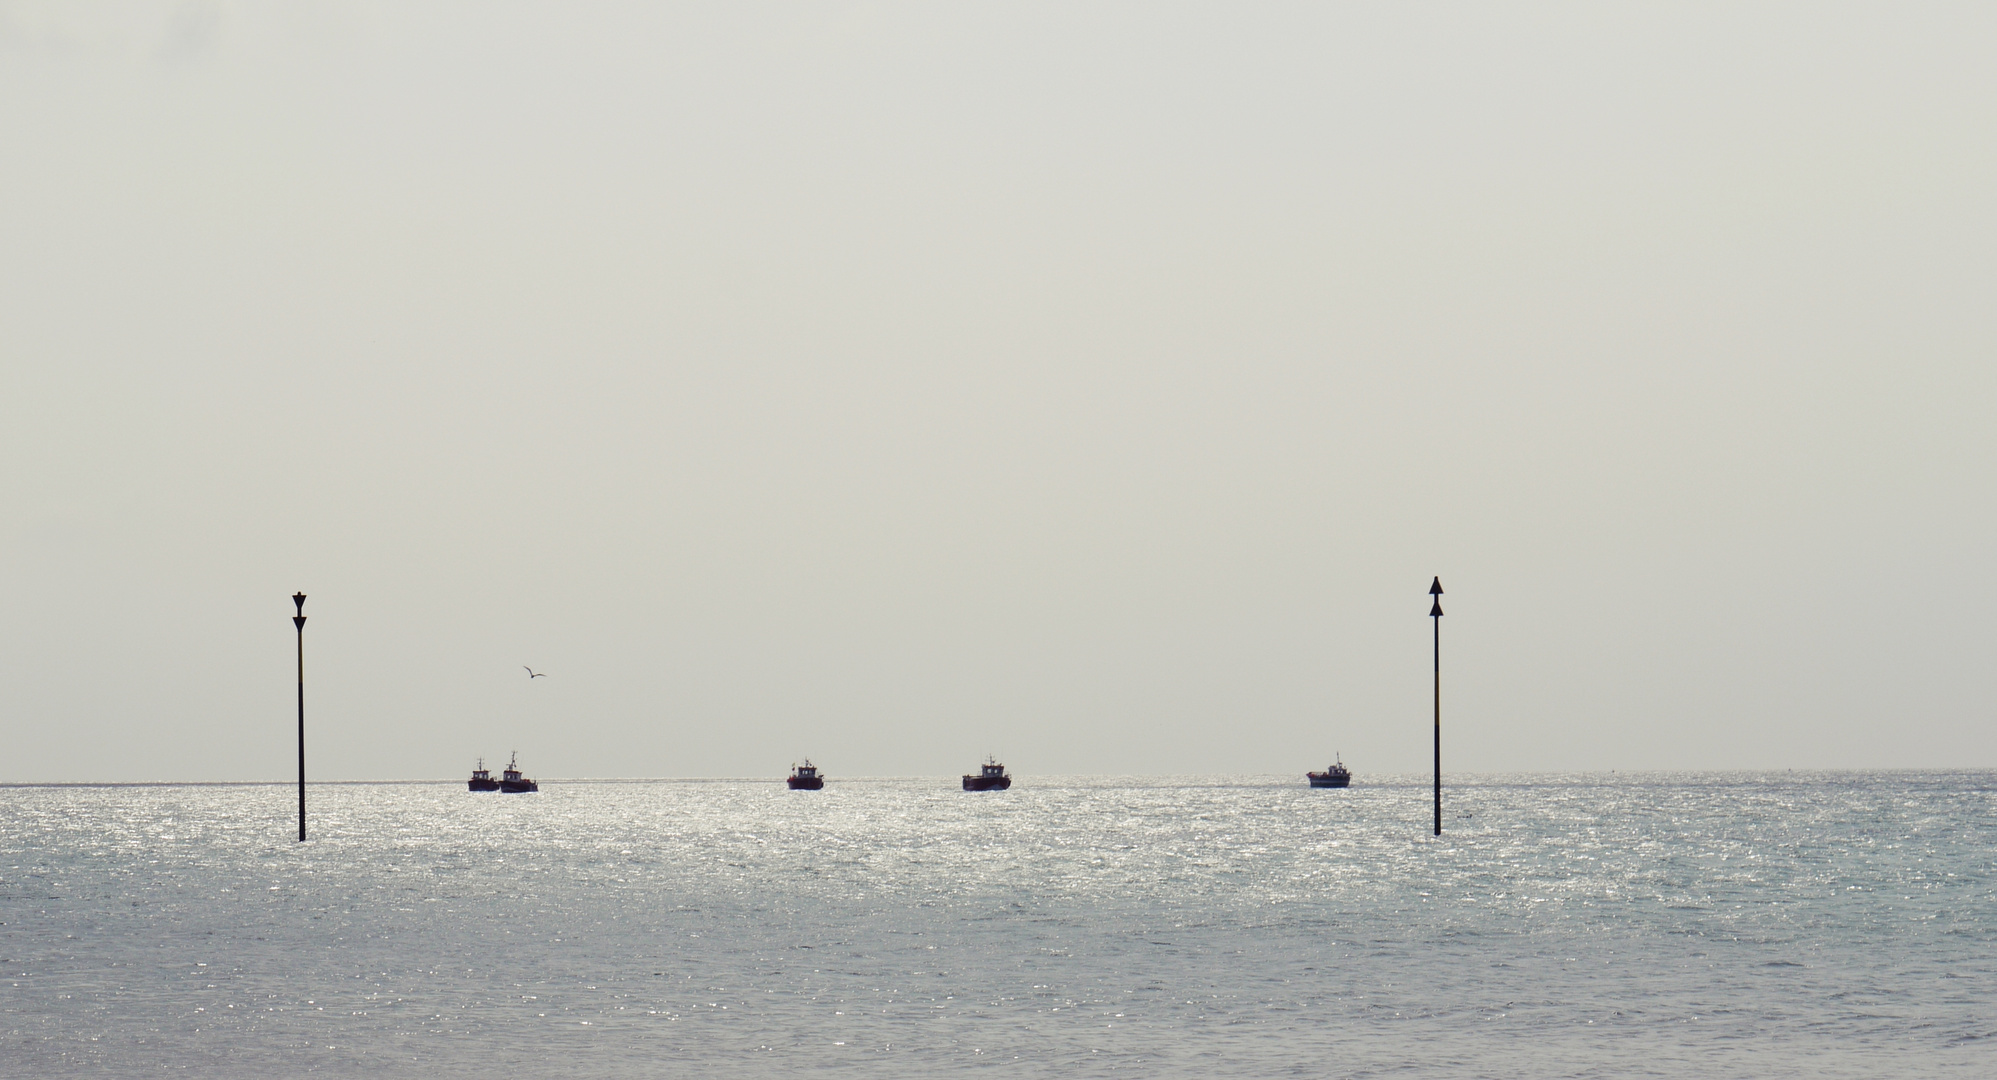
805 777
482 780
512 782
992 778
1336 776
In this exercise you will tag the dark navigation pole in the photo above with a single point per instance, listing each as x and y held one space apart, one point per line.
298 620
1435 613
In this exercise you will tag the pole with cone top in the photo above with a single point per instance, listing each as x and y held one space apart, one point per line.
1435 613
298 620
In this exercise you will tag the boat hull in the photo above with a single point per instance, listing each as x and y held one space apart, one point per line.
987 783
518 787
805 783
483 785
1337 779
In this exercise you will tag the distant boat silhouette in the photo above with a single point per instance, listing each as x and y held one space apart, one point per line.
1336 776
992 778
805 777
482 780
511 782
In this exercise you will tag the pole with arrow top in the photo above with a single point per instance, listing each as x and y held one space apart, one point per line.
1435 613
298 621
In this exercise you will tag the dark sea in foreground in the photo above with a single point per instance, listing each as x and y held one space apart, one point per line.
1709 925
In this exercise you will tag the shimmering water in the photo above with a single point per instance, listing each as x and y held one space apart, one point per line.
1665 925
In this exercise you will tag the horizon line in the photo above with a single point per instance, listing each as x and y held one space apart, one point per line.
1480 778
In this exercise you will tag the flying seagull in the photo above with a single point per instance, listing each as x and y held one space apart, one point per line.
532 674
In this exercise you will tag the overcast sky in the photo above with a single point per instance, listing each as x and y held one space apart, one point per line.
1094 385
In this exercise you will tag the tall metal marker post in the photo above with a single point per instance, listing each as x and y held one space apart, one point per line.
298 620
1435 613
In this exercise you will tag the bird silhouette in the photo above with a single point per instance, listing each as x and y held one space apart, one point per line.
532 674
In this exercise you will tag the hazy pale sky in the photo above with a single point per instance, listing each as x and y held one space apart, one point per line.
1095 385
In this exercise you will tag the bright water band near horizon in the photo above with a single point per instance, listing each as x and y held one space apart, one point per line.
1769 925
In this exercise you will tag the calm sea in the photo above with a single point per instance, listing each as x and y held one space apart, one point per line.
1710 925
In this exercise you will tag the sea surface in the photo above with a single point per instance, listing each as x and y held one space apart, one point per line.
1671 925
